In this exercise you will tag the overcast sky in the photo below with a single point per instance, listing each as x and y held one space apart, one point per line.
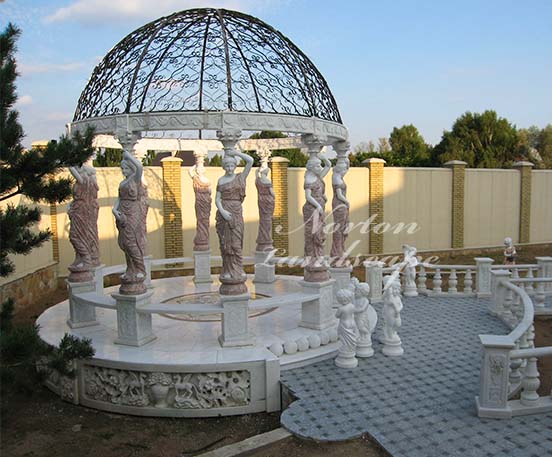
388 63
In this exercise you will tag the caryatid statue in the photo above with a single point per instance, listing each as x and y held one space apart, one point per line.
202 191
314 218
229 220
130 213
83 232
340 211
266 200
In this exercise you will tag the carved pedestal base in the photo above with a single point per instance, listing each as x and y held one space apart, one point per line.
80 315
235 329
364 348
262 255
392 347
264 273
202 267
134 328
317 313
134 286
410 291
316 273
80 274
231 286
346 360
374 278
342 277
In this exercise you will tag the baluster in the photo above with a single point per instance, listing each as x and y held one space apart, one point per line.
422 278
468 282
530 384
437 281
515 273
529 287
525 344
539 296
531 336
515 373
507 315
453 282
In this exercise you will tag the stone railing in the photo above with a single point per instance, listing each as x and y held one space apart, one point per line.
444 280
509 362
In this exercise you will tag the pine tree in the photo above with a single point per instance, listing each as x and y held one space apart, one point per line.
31 174
28 173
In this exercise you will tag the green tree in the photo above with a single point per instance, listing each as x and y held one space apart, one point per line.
31 174
408 147
109 157
482 140
544 146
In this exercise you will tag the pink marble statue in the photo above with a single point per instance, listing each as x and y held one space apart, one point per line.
202 190
83 232
313 219
130 213
340 210
229 222
266 199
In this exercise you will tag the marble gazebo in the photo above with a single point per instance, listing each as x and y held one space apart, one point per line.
208 344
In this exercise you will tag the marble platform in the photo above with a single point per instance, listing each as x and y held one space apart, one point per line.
186 356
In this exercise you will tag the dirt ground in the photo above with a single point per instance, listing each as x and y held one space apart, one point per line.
42 425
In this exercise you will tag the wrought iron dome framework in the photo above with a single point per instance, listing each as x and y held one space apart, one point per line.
206 61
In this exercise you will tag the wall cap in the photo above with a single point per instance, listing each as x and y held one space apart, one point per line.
455 163
278 159
171 159
374 160
523 163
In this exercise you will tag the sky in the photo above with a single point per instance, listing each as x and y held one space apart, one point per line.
387 63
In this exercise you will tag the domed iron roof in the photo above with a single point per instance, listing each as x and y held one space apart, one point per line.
207 60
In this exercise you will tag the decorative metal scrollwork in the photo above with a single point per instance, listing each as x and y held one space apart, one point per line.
207 60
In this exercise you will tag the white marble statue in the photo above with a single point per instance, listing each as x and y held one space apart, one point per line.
366 319
510 253
410 262
392 307
347 330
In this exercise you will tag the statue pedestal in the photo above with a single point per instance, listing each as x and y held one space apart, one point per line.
364 348
80 274
134 328
374 278
317 313
346 360
392 347
410 290
264 273
80 315
235 331
202 267
342 277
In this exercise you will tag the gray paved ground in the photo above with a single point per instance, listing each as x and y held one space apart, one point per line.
420 404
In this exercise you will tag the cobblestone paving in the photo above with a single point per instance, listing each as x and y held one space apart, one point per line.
420 404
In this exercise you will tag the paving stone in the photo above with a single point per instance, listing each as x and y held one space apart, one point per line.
421 404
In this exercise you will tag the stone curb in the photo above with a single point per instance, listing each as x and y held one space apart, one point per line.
250 444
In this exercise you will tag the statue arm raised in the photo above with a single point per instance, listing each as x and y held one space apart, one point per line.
138 168
192 171
76 174
248 162
327 167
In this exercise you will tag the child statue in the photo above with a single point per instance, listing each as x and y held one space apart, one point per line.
346 330
410 262
366 319
510 253
392 306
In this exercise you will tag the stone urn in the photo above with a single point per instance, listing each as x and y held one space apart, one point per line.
160 383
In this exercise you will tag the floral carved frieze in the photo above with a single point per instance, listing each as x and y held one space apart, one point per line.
167 390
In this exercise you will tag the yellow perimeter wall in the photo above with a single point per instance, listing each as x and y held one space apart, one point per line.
419 195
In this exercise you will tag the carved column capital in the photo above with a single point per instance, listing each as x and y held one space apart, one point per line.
341 148
314 143
128 139
229 138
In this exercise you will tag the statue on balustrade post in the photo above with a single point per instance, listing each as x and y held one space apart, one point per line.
313 218
340 211
83 231
510 253
202 191
130 213
229 219
266 202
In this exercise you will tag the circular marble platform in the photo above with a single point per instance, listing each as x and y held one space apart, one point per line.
185 371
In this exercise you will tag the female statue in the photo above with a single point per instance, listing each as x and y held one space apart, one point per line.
313 219
410 262
202 190
340 210
130 213
229 222
346 330
392 307
83 214
265 198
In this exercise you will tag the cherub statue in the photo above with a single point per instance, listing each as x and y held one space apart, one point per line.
392 307
366 319
410 262
510 253
346 330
